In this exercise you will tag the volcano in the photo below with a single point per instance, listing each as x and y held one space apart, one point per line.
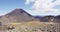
17 15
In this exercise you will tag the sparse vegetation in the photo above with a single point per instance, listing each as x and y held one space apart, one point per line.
34 26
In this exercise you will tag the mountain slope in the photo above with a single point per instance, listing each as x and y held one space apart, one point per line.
18 12
17 15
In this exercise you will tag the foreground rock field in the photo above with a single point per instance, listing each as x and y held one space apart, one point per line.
33 26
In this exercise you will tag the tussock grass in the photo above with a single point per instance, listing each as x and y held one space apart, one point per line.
32 26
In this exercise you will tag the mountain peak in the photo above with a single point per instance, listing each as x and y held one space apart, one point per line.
18 11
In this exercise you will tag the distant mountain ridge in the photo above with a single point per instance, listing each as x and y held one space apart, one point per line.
51 18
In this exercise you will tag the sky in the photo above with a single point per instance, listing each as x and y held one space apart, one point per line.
34 7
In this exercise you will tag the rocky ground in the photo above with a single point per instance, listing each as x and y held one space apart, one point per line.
33 26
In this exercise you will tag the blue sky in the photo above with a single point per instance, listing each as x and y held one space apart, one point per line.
7 6
34 7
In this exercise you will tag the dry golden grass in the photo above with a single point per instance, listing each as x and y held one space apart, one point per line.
31 26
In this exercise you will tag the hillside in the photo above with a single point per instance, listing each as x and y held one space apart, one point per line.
17 15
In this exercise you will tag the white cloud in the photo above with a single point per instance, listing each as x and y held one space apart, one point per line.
43 6
28 1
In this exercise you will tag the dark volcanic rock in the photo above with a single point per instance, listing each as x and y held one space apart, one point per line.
0 16
57 19
51 19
